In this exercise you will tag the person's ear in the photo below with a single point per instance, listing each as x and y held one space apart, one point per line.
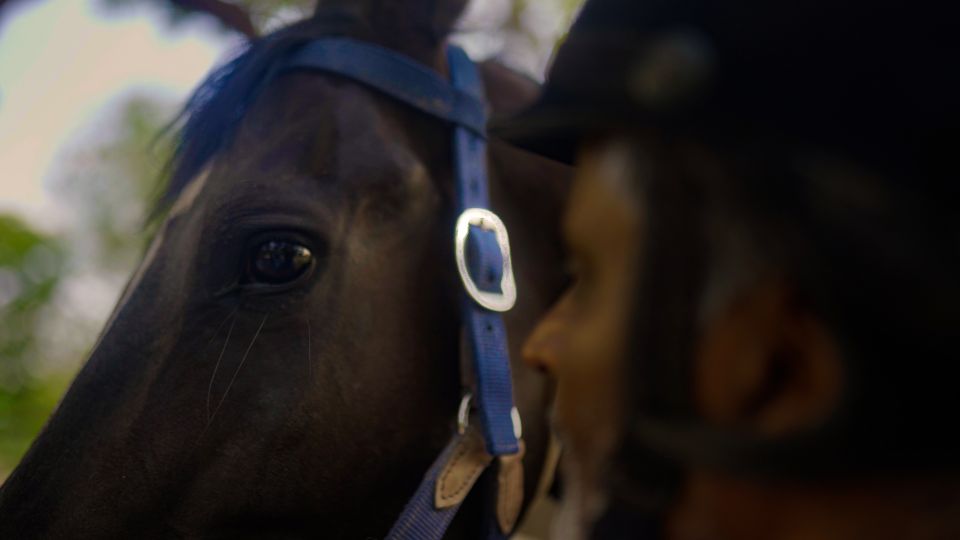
766 364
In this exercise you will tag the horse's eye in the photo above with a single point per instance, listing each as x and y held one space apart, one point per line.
276 262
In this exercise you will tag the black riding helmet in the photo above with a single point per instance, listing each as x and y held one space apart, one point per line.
872 82
875 80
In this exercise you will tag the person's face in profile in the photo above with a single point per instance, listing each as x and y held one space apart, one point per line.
580 341
744 338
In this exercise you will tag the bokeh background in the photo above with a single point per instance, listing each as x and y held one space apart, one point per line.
86 88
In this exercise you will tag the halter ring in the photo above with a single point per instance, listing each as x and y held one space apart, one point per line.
463 417
488 221
463 413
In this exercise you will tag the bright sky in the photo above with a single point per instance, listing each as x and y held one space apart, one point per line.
64 63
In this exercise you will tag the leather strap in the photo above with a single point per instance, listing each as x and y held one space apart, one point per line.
510 490
467 462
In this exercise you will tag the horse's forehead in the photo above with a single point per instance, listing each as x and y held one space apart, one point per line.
325 128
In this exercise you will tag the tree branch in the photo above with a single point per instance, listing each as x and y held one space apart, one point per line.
230 15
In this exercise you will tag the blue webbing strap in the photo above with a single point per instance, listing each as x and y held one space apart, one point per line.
485 329
395 75
420 519
486 333
460 102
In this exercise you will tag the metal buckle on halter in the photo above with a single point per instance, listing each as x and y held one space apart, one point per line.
488 221
463 417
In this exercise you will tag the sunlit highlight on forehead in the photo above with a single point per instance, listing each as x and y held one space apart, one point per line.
617 167
189 194
605 196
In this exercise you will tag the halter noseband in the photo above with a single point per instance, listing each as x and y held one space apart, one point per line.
482 252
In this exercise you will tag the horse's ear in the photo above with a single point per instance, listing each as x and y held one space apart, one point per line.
418 28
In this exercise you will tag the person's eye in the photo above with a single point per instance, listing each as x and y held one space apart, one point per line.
278 262
581 280
571 271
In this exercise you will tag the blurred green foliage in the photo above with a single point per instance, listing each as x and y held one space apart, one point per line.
45 332
112 186
31 265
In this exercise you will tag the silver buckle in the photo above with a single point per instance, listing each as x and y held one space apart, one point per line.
488 221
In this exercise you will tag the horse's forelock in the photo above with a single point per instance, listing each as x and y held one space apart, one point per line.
212 115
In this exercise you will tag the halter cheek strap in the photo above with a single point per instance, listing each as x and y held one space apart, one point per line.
482 250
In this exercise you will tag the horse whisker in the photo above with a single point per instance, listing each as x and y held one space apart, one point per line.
217 331
237 371
216 367
309 355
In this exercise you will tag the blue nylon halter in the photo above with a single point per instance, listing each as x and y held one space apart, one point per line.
396 75
485 256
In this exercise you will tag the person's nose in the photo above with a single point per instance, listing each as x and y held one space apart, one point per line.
546 343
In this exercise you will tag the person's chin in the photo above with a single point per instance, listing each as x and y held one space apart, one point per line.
582 501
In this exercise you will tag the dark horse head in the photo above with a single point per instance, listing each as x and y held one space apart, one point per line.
285 360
